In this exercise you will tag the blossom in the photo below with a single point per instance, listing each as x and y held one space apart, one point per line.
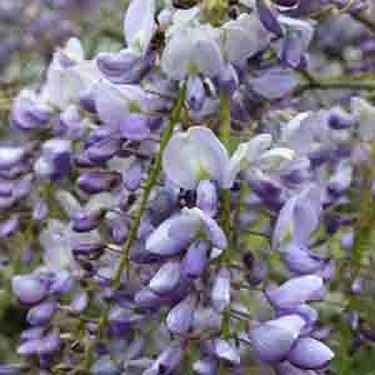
194 156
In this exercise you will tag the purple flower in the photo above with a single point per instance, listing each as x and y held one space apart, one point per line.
180 318
310 354
299 217
243 38
297 38
196 258
274 83
220 293
42 313
297 291
139 24
176 233
273 340
193 50
29 289
166 279
194 156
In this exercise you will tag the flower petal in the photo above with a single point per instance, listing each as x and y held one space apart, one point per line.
309 353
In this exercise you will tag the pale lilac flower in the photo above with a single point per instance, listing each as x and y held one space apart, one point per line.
309 353
274 83
243 38
299 216
176 233
273 339
180 318
194 156
29 289
191 51
139 24
220 293
296 291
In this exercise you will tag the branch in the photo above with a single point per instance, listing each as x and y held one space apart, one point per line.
336 84
365 20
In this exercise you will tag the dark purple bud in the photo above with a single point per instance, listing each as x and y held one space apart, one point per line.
102 150
63 283
195 259
29 289
258 273
135 127
28 114
287 3
319 157
88 250
268 18
6 188
133 175
42 313
61 166
268 190
84 222
9 227
55 161
122 67
339 119
97 182
195 93
87 101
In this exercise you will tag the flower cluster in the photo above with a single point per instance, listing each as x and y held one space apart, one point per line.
155 223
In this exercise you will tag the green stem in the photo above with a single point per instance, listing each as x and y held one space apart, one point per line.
366 222
225 137
365 20
151 181
225 119
149 184
225 218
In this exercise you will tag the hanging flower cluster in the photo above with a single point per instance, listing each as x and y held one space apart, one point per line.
155 227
